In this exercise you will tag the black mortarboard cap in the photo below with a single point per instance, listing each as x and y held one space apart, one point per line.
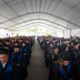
3 51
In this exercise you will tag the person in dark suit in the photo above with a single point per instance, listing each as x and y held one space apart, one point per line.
6 67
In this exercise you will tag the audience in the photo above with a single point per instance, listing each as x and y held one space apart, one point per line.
15 53
62 57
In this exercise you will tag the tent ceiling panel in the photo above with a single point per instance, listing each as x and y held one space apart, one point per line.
43 5
7 12
70 25
53 6
2 3
19 8
74 18
3 26
9 23
37 21
35 25
61 10
34 2
78 8
2 18
71 3
64 13
12 1
45 17
39 2
17 20
28 4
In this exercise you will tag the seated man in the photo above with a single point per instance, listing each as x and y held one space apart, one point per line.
6 68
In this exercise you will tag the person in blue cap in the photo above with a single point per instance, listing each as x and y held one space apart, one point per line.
6 67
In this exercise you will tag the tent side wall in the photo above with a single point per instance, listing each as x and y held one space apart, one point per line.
67 34
75 32
5 33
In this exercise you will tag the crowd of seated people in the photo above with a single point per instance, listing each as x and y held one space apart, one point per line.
15 54
62 57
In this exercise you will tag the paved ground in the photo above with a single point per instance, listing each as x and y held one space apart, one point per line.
37 69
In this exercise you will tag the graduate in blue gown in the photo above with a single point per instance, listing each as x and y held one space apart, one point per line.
6 67
17 58
25 53
29 50
66 70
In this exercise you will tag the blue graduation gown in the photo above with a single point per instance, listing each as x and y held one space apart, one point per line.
17 58
6 73
24 50
66 75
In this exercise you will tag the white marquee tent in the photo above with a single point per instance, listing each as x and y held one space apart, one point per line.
18 15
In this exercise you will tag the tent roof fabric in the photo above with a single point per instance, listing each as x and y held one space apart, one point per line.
62 14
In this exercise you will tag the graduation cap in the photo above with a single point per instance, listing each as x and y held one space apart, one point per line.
16 46
3 51
23 42
55 46
64 47
16 42
66 58
76 43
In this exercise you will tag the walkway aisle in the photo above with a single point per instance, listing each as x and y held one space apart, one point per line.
37 69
